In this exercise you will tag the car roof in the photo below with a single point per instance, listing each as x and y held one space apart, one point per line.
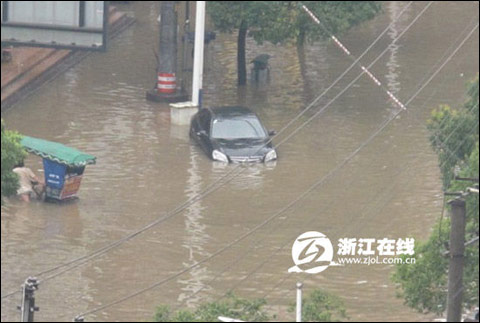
231 111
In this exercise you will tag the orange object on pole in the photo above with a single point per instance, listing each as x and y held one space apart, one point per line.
167 83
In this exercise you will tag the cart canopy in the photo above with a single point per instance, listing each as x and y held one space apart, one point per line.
57 152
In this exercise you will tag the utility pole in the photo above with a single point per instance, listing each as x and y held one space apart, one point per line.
455 270
181 113
167 61
28 307
165 89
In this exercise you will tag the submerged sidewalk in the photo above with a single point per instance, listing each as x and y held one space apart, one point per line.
32 67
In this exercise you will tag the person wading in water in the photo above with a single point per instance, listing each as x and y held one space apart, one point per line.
29 184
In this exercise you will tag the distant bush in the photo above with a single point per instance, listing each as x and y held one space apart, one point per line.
232 306
12 153
319 306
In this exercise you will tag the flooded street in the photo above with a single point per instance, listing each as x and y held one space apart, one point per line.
147 166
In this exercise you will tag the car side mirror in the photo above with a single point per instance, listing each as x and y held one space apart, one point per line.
272 133
202 133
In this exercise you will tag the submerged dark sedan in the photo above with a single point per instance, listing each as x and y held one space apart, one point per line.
232 134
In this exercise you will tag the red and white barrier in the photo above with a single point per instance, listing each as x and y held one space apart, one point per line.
167 83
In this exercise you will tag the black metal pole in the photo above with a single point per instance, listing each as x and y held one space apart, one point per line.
81 14
5 11
28 307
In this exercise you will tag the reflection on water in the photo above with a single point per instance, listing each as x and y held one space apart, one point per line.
252 174
392 76
196 236
146 166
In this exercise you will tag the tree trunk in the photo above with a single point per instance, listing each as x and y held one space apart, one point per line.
303 68
301 39
241 55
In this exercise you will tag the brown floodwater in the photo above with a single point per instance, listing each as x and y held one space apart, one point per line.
146 166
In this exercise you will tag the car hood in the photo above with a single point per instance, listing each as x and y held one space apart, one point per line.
243 147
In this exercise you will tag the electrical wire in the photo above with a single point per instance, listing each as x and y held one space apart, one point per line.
282 281
292 203
438 70
212 187
442 143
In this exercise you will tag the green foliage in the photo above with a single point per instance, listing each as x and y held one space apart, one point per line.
320 306
281 21
263 18
12 153
232 306
454 136
423 284
336 16
454 133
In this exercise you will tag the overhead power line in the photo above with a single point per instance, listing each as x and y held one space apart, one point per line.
296 200
223 180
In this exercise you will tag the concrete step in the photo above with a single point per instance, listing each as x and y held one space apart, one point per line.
13 70
34 72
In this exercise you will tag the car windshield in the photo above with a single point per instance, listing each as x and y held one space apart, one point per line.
237 128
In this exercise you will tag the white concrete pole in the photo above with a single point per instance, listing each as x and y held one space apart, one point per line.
299 302
198 54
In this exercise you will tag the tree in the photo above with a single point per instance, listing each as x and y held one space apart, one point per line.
337 16
320 306
12 153
228 16
281 21
454 136
231 306
451 133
